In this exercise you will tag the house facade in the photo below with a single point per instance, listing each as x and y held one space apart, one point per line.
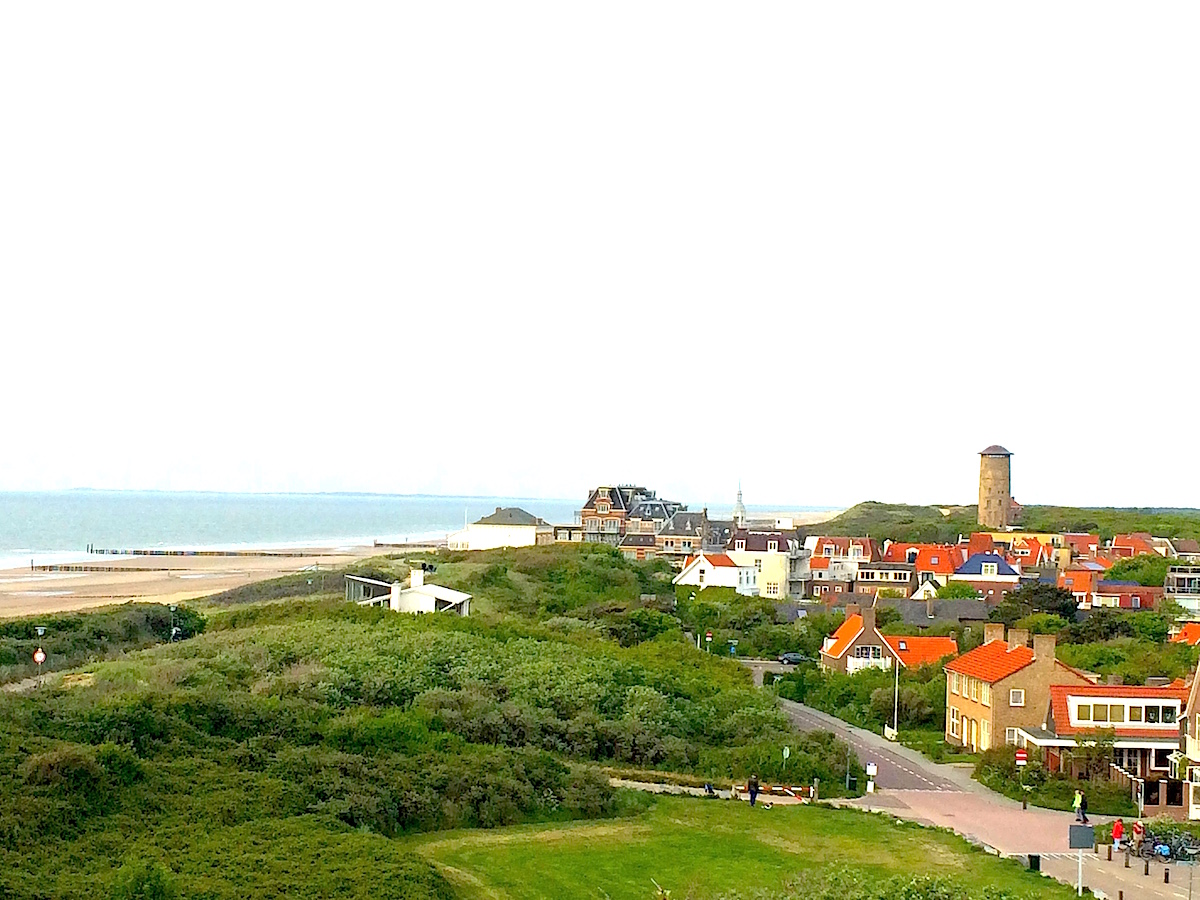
1182 585
772 553
857 644
1143 722
990 574
419 597
681 536
893 576
717 570
1001 686
506 527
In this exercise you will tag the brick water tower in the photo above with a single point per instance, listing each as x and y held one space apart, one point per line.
995 488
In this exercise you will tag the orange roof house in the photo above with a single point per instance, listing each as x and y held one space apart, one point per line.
1082 543
1001 686
931 561
857 644
1138 543
1189 634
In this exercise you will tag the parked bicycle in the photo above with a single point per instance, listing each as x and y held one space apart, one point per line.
1168 847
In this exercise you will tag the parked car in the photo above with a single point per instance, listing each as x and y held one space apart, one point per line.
791 658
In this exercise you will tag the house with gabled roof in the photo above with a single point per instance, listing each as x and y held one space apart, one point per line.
1081 578
1029 553
705 570
681 536
931 562
990 574
1002 685
1138 543
857 644
1082 543
774 554
1143 721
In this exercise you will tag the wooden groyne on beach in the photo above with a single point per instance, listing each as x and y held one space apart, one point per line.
83 567
296 554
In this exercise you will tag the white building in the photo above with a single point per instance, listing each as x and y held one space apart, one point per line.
718 570
506 527
418 597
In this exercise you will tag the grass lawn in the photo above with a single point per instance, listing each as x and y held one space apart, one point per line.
933 745
703 848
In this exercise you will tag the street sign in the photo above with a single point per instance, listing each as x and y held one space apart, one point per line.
872 770
708 636
1022 757
39 656
787 752
1083 837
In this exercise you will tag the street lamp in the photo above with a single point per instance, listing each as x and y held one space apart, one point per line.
174 630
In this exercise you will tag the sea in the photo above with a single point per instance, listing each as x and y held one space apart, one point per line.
48 528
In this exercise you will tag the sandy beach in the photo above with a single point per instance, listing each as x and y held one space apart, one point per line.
168 579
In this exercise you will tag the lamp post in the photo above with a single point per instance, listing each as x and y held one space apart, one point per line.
39 655
174 630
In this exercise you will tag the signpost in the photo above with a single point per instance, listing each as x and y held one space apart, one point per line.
39 657
1022 758
708 641
787 751
1083 837
872 771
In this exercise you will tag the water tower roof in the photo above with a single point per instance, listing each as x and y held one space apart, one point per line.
994 450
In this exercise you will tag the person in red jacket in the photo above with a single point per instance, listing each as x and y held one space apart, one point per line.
1118 834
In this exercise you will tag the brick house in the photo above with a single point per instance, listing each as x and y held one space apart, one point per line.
931 562
1145 724
857 644
1124 595
681 536
1188 765
897 576
1002 685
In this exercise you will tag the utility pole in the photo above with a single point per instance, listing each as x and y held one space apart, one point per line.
896 701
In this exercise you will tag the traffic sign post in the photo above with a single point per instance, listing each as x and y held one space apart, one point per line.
787 751
1022 758
39 657
708 641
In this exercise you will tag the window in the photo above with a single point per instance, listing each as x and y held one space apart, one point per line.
1152 796
1016 697
904 645
1083 712
985 695
933 560
1174 793
1116 713
855 552
910 556
974 689
1169 715
954 686
988 569
1135 714
1100 712
828 550
1162 759
955 721
701 576
1151 715
985 734
772 590
601 508
739 545
772 546
1010 735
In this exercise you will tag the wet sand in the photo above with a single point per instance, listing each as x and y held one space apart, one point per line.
152 578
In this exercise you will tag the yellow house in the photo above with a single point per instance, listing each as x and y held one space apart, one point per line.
770 553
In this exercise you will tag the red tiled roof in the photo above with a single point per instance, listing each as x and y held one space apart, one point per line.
992 661
919 651
1059 693
980 542
720 560
1189 634
818 562
844 636
1138 543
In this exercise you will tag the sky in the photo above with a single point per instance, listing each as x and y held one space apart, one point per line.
831 250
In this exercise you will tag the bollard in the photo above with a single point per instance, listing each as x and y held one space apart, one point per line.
1110 852
1024 803
1147 869
1127 859
1166 874
1120 895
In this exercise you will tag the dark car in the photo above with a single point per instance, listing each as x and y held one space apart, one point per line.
792 658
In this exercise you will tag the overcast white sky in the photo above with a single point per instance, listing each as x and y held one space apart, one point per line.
833 249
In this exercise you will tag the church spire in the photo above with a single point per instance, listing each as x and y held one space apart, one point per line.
739 510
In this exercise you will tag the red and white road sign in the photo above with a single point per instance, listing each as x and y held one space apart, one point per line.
1022 757
708 635
39 656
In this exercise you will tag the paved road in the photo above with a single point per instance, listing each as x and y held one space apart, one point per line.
899 767
911 787
760 667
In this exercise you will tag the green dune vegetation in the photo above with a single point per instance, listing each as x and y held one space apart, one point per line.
900 522
294 745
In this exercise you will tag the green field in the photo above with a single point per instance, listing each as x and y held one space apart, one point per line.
712 848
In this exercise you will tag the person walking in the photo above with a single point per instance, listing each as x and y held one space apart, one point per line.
1138 835
1083 807
1118 834
1077 805
752 787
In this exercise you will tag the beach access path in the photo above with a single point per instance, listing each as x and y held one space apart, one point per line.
160 579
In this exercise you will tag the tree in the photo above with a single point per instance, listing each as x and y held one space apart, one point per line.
887 615
1043 623
1149 569
957 590
1045 598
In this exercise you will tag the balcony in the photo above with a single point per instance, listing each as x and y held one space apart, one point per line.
1191 748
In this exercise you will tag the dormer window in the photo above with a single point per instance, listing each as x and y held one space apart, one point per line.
601 507
829 550
855 552
933 560
772 546
911 555
989 569
739 545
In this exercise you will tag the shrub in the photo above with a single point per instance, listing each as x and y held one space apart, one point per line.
143 879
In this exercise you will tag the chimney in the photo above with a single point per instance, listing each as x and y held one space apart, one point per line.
416 578
1017 637
1043 646
929 607
993 631
853 609
497 509
869 621
1114 679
